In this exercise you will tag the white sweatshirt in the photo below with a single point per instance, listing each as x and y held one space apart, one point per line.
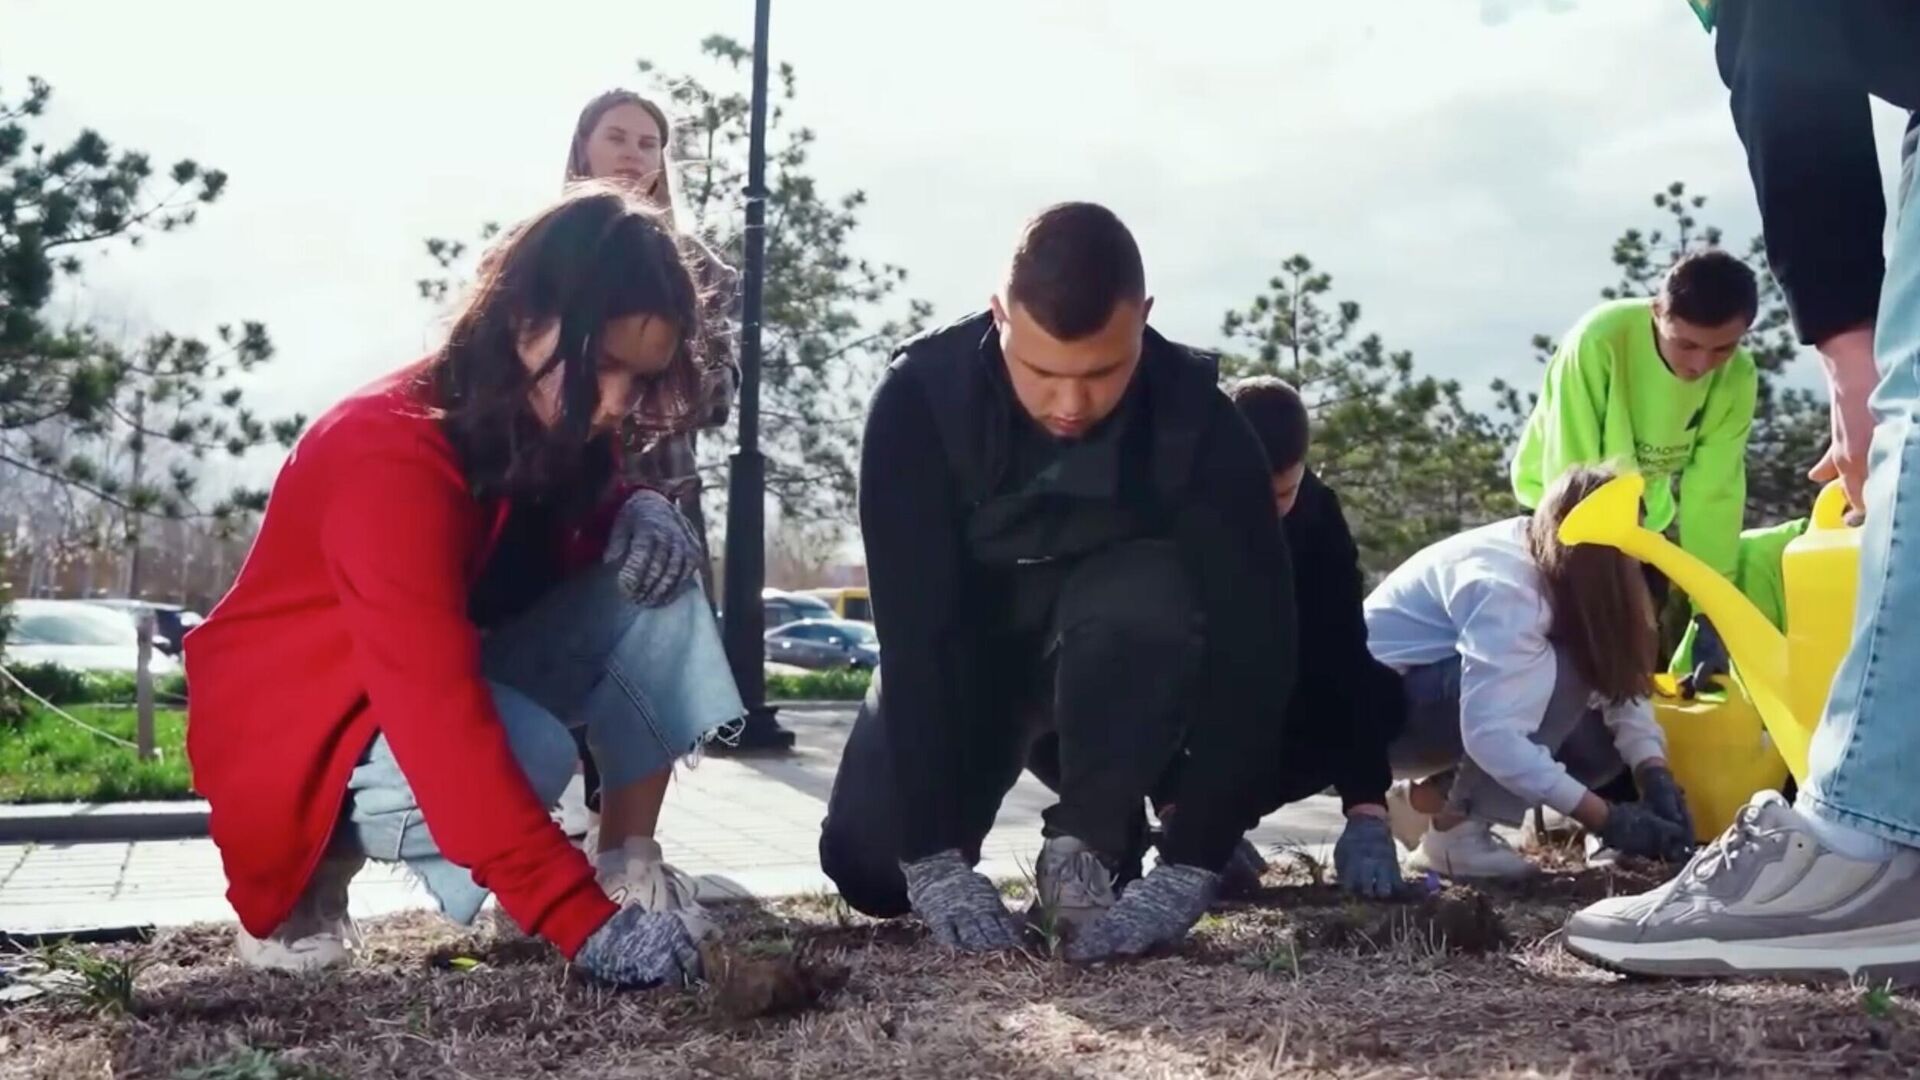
1478 594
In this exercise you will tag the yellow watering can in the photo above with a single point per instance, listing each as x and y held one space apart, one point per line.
1788 683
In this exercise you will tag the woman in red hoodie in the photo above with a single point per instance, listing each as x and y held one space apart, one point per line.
445 583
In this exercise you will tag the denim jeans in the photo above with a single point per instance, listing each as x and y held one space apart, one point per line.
1431 743
646 684
1866 751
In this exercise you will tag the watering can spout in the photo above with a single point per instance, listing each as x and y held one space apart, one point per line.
1611 517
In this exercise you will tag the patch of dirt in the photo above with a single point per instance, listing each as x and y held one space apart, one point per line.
774 982
1298 981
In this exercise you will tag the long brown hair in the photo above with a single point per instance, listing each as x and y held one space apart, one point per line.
1603 617
577 170
598 254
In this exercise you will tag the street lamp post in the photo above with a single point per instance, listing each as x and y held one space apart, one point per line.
745 572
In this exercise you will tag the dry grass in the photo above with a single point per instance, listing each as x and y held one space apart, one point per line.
1297 982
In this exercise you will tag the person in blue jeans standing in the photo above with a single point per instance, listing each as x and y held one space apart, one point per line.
1831 883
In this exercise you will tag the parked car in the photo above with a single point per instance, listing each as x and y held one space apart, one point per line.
779 608
850 602
171 621
825 645
80 635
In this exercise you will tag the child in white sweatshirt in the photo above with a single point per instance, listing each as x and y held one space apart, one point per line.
1526 666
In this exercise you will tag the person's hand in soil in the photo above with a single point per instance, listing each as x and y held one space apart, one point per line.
959 905
1365 860
1157 910
640 948
1633 828
1660 791
655 548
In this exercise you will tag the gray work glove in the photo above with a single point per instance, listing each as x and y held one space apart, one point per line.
655 548
1365 860
961 907
1633 828
1661 792
1710 660
1157 910
639 948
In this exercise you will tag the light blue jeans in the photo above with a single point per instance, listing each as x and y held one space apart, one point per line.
647 684
1866 751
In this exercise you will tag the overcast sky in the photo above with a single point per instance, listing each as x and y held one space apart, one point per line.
1460 166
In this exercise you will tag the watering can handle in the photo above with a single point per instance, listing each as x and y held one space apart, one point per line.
1830 508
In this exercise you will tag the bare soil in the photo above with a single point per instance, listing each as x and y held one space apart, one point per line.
1296 981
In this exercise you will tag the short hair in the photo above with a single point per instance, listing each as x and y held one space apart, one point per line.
1710 287
1076 262
1273 409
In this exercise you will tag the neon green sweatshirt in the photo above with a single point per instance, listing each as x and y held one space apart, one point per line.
1610 399
1760 573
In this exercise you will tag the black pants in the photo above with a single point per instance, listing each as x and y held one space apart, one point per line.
1100 703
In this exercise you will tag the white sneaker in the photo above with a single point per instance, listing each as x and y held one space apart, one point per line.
639 876
1598 853
318 933
1407 824
1470 849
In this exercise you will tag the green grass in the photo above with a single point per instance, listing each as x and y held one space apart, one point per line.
47 759
819 686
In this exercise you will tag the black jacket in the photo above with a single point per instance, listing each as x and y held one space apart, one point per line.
1801 73
1346 705
936 447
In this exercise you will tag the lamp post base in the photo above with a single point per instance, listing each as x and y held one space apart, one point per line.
761 734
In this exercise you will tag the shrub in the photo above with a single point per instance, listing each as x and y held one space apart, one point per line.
819 686
66 686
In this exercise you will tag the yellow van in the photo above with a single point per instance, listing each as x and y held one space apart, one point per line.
847 603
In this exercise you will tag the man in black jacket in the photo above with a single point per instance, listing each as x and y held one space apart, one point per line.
1830 884
1068 534
1346 705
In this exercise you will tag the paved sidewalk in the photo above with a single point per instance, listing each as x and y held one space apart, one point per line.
743 826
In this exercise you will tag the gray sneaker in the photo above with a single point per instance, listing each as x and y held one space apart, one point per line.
1764 899
1072 887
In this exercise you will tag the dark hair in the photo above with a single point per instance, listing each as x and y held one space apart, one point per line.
590 118
1602 612
1273 409
1709 287
1075 263
598 254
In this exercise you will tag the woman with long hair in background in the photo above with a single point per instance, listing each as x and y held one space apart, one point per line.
624 138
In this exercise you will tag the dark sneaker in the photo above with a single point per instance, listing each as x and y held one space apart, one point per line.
1241 876
1072 887
1764 899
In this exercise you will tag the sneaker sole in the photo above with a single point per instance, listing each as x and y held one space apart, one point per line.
1814 957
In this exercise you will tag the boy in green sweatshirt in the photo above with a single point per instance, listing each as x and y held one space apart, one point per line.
1660 384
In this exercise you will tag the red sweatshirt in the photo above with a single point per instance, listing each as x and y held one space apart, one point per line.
350 619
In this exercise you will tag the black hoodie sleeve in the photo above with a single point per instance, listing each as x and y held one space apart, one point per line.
1230 535
1333 706
1802 109
909 523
